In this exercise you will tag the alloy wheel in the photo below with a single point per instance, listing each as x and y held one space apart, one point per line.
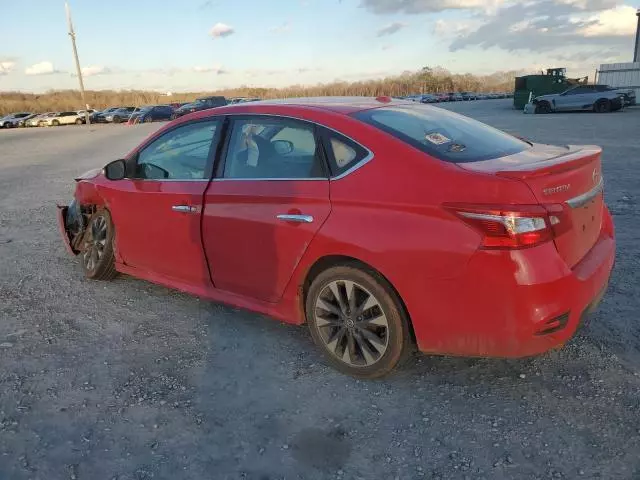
351 323
94 243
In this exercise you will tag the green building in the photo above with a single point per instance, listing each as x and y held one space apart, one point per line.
530 86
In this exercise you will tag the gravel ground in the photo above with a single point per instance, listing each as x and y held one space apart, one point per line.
131 381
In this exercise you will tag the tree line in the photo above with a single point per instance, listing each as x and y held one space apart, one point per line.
426 80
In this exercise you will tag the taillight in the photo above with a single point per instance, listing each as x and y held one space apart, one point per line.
513 226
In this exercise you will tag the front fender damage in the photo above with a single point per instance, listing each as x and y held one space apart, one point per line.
72 222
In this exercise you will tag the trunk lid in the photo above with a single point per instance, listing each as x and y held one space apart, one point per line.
569 176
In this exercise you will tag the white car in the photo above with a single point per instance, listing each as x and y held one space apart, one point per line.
35 121
12 119
61 118
82 116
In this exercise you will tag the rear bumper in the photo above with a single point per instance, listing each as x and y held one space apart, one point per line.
513 304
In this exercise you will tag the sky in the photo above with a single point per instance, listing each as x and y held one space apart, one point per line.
192 45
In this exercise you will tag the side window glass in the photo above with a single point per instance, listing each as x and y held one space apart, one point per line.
266 147
180 154
343 153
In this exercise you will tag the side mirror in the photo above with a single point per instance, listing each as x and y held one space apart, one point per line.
282 147
116 170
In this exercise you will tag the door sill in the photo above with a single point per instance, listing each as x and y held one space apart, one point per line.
209 292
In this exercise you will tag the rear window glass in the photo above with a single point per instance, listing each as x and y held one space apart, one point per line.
443 134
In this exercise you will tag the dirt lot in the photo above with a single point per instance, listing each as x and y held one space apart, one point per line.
131 381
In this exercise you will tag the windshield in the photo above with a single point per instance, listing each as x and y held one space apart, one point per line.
442 134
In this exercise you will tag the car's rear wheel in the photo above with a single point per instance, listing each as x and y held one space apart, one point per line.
543 107
357 320
602 106
97 255
79 121
55 123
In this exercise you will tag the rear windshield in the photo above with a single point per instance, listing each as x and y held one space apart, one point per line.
442 134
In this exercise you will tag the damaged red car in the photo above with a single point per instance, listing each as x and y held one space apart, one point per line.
384 225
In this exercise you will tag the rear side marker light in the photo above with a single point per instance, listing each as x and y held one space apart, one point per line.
513 226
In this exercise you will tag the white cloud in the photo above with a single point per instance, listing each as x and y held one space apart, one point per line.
284 28
93 70
390 29
217 69
428 6
615 21
41 68
221 30
448 28
6 66
548 25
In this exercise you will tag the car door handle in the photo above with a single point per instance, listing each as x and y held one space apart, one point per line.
295 218
184 208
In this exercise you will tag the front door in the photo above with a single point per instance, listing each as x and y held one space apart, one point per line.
268 202
157 212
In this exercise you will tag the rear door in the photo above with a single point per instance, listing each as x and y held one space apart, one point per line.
268 202
67 118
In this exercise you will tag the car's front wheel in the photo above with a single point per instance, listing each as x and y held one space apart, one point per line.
55 123
602 106
357 320
97 255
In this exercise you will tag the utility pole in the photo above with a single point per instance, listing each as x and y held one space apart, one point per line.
72 34
636 50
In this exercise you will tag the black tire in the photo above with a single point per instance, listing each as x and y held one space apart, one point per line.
173 116
97 256
79 121
543 107
116 120
55 123
357 330
602 106
148 120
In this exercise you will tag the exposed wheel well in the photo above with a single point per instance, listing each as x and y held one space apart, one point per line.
324 263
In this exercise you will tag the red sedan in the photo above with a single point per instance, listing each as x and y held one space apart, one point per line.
380 224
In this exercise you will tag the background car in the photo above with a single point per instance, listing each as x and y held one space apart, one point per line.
629 94
428 98
509 248
61 118
82 118
99 116
580 98
11 120
35 121
119 115
152 114
22 122
200 104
